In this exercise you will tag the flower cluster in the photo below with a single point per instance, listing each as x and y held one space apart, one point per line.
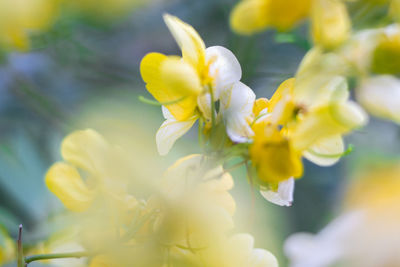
119 215
271 136
185 219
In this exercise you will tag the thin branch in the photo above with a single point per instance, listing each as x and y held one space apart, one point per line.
39 257
20 253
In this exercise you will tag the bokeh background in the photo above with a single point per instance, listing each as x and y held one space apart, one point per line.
84 73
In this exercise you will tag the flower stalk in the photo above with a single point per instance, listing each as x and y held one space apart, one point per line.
38 257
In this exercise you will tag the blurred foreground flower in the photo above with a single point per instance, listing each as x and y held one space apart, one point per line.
365 235
185 219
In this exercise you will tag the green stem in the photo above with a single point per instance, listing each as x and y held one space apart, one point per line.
39 257
156 103
20 253
212 107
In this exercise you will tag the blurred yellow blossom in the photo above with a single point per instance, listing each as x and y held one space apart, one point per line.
87 152
19 18
234 251
329 18
251 16
331 23
196 205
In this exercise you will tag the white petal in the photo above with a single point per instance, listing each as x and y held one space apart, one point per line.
326 152
284 195
328 246
380 95
224 68
170 131
236 107
262 258
166 113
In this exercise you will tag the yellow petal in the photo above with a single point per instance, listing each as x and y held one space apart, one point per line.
326 151
102 261
173 86
394 10
259 105
327 121
16 38
180 76
273 156
284 89
64 181
330 23
190 42
249 16
334 89
386 57
37 14
85 149
286 14
281 104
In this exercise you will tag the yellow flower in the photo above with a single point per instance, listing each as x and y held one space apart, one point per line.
188 86
234 251
87 152
300 123
329 18
273 155
250 16
330 23
102 261
386 55
20 17
196 206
